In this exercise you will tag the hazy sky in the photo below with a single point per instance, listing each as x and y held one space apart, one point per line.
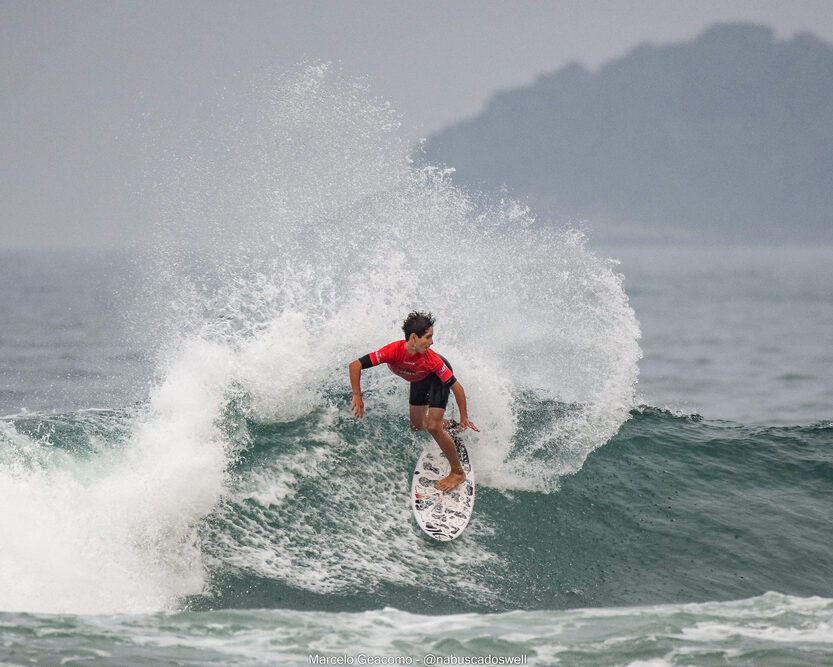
79 77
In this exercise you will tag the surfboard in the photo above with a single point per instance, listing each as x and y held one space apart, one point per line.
442 514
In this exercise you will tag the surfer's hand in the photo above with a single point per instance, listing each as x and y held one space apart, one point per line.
465 422
358 406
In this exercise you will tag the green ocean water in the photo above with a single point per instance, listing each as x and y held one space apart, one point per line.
664 546
673 509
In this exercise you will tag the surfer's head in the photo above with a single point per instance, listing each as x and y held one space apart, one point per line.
419 331
417 323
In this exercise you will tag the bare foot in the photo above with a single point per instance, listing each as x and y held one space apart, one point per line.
448 483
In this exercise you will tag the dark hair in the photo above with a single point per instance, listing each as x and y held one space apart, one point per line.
418 323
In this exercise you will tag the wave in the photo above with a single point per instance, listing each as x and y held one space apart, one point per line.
313 514
771 628
673 508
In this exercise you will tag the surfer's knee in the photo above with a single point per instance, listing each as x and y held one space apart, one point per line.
435 427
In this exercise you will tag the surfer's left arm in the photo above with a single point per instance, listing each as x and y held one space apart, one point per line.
460 397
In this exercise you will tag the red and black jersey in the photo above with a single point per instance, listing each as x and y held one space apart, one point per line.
411 367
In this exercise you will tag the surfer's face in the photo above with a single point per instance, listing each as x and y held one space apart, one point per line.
421 345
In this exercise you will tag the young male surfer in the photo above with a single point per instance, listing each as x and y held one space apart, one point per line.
431 380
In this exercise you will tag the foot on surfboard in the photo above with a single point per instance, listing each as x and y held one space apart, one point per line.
448 483
442 515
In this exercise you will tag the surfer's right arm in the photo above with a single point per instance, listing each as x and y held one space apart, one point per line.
356 368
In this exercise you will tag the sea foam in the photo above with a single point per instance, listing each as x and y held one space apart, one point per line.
294 234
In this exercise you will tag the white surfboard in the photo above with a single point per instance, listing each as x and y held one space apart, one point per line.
442 514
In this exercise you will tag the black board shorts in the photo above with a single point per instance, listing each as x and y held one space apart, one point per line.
430 390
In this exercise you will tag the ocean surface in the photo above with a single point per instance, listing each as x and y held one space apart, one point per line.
182 481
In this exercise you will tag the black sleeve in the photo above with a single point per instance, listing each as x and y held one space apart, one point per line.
450 382
366 363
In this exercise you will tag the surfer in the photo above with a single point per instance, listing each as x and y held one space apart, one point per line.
431 379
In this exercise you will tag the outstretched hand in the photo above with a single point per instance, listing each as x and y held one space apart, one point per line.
358 406
467 423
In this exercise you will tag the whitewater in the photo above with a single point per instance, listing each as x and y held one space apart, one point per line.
183 480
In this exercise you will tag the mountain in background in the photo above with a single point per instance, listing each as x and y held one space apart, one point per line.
728 137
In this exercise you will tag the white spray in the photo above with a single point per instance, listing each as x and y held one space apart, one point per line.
295 239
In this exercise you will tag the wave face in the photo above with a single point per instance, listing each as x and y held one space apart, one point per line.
672 509
313 514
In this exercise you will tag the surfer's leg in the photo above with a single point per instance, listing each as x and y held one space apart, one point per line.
446 443
419 417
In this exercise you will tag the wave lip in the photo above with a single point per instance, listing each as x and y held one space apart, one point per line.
335 234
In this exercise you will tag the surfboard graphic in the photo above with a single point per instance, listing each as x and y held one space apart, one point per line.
442 514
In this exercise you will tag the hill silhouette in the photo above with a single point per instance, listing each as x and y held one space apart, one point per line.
725 137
